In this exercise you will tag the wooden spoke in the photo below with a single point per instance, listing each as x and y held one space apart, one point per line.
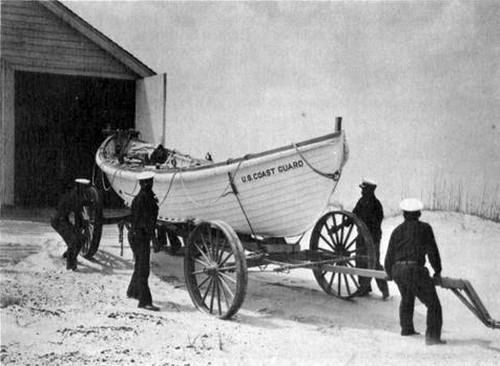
227 277
349 232
200 262
336 230
226 299
223 250
208 288
199 272
216 246
329 231
226 287
331 280
222 262
203 254
342 225
347 284
354 280
353 241
327 242
230 268
203 282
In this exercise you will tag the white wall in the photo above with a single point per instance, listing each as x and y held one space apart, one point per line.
150 99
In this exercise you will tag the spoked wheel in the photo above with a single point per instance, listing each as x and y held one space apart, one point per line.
91 224
215 269
344 238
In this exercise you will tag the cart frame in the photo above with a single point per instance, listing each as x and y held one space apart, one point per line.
217 259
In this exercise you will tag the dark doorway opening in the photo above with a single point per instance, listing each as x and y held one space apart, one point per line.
59 123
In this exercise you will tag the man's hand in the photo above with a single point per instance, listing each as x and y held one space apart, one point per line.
437 278
131 237
388 277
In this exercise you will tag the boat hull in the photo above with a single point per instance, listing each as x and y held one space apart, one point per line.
279 193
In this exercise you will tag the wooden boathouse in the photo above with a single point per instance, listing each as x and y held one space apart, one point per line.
62 82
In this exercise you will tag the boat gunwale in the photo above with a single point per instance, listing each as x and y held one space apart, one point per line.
227 162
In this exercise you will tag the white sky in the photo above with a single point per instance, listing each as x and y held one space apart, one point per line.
418 83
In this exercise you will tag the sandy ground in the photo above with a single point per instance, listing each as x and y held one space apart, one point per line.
50 316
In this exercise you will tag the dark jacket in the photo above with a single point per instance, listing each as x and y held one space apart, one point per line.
412 241
69 203
144 211
370 211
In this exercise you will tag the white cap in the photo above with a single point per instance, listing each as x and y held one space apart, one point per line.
82 181
411 205
367 182
145 175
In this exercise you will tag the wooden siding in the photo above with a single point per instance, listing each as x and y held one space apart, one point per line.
34 39
7 134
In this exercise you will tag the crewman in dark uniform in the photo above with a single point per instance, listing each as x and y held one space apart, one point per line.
144 215
370 211
410 242
71 204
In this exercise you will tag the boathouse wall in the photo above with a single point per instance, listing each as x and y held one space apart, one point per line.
48 52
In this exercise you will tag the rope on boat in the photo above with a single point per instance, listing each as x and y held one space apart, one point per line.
111 182
198 204
335 176
104 183
236 194
168 190
224 193
133 189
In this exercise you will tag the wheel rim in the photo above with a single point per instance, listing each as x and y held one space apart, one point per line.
88 225
341 236
215 269
91 224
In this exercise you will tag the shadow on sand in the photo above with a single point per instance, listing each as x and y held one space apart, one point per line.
272 297
105 263
473 342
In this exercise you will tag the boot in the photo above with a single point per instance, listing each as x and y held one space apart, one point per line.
70 264
433 341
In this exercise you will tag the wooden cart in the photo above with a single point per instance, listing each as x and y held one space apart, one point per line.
218 255
217 260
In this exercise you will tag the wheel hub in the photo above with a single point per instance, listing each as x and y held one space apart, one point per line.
211 269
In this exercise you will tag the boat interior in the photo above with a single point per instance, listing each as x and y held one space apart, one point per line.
131 151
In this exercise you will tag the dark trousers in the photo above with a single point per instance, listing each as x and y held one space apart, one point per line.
138 287
72 237
365 282
414 281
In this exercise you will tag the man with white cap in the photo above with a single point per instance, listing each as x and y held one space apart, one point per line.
143 221
370 211
409 244
71 202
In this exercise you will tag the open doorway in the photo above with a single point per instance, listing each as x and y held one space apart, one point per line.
59 123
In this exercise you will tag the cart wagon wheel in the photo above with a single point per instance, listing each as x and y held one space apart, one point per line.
215 269
92 223
341 235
